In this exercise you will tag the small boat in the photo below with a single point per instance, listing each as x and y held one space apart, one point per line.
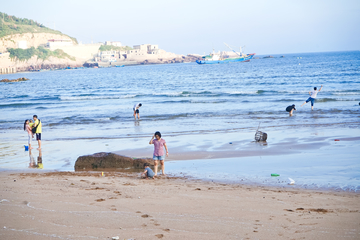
216 58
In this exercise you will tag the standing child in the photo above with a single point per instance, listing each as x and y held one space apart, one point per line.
28 129
313 95
159 144
148 173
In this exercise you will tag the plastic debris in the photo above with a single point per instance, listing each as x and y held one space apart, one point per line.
275 175
337 140
292 182
115 238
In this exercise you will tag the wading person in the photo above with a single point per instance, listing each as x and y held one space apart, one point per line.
291 109
136 110
159 155
37 126
312 97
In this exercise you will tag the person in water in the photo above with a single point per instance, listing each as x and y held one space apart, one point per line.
312 97
136 110
159 155
290 109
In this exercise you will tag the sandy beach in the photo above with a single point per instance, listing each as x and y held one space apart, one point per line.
83 205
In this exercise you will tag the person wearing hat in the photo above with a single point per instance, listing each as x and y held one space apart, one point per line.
136 110
290 109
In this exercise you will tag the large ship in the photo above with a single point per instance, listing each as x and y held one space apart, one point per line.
217 58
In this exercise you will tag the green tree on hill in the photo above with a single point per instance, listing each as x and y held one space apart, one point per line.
40 52
12 25
115 48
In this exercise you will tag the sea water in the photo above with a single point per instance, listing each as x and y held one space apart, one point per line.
90 110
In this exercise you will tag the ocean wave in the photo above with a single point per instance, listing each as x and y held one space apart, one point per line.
346 92
335 99
243 92
87 97
15 105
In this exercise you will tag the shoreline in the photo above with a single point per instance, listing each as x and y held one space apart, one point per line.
79 205
211 157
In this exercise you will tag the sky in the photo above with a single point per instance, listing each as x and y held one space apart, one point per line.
199 26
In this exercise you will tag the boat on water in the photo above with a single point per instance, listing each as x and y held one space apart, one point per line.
217 58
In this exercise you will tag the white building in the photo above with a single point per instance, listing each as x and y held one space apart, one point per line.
22 44
148 48
117 44
138 53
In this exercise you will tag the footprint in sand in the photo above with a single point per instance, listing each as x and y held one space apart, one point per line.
100 200
145 216
159 235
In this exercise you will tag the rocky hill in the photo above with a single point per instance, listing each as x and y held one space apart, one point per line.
14 29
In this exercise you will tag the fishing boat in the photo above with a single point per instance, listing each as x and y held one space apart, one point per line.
217 58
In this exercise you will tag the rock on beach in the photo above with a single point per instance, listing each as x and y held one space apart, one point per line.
109 161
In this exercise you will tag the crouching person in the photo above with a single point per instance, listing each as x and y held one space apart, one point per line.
148 173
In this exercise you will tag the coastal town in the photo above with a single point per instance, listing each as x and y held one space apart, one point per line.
26 45
83 55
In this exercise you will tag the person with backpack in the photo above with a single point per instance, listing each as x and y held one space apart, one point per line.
37 126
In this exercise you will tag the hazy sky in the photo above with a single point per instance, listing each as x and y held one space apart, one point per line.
198 26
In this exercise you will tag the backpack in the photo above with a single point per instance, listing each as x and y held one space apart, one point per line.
33 130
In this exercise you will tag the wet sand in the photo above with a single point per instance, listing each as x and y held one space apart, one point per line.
84 205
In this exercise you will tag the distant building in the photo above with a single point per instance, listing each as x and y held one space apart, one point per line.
138 53
117 44
53 43
22 44
148 48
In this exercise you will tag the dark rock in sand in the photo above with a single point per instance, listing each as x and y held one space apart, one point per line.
109 161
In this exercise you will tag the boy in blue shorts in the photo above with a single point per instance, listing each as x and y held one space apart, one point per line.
312 97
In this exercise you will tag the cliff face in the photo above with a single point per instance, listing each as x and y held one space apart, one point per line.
80 52
32 40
